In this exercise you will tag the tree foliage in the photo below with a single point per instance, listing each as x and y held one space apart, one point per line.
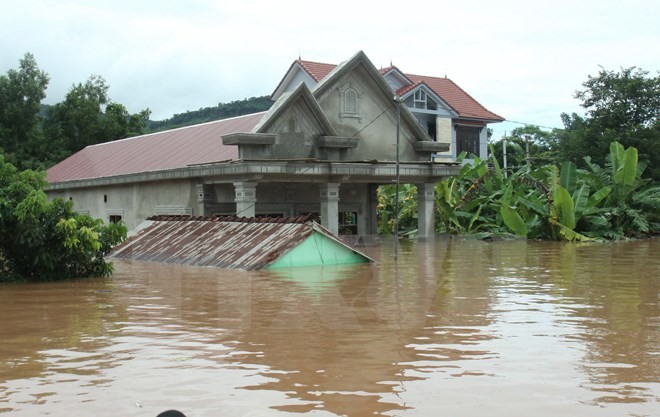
31 138
21 92
550 202
620 106
45 240
87 116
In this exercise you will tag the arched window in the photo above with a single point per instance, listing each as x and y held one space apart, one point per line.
350 101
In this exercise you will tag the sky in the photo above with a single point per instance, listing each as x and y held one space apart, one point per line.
523 60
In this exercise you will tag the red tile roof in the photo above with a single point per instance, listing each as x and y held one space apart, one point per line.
456 97
459 100
170 149
316 70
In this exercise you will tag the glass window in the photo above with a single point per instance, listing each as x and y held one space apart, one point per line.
467 140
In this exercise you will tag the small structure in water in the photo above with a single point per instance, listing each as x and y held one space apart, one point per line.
237 242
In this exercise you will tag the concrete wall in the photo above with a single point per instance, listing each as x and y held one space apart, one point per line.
133 202
378 140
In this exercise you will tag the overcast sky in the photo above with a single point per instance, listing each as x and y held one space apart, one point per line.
520 59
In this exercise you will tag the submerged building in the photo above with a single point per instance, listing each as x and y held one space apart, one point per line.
334 135
237 242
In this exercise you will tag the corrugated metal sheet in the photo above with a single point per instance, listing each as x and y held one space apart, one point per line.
170 149
223 242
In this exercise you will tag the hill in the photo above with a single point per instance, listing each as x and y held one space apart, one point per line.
209 114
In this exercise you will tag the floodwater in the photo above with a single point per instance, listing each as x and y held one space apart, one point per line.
454 328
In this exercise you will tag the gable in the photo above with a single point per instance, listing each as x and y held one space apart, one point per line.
422 98
375 124
295 131
318 249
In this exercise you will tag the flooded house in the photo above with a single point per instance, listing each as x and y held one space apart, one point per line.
334 134
245 243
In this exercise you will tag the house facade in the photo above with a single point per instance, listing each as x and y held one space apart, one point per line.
328 142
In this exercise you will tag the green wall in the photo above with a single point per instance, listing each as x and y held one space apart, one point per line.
318 250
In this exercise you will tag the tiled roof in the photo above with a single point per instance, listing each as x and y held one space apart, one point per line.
170 149
459 100
456 97
316 70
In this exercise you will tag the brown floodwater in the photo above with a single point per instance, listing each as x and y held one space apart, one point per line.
454 328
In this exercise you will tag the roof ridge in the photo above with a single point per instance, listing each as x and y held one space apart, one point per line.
176 129
315 62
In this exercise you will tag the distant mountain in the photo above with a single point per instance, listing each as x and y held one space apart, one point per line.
209 114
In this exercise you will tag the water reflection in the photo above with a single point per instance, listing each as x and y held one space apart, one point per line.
455 327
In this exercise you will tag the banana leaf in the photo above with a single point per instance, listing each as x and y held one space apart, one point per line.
565 207
568 176
513 220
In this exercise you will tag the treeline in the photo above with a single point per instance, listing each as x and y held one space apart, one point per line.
37 136
621 106
209 114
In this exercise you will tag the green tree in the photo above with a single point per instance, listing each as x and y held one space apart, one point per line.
620 106
541 144
45 240
87 116
21 92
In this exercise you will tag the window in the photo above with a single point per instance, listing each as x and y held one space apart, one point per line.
421 100
467 140
349 102
114 218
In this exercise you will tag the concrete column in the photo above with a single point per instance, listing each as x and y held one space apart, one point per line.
330 206
373 209
204 196
426 210
246 198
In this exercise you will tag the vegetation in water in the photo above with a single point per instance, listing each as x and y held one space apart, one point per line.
47 240
548 202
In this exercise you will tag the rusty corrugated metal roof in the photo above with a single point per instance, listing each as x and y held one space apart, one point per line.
224 242
170 149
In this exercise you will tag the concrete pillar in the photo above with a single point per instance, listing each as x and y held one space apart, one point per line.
330 206
426 210
204 196
246 198
373 209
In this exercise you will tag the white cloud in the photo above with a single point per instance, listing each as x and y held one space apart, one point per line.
521 59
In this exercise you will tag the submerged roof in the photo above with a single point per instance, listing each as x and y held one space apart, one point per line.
225 242
459 100
171 149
